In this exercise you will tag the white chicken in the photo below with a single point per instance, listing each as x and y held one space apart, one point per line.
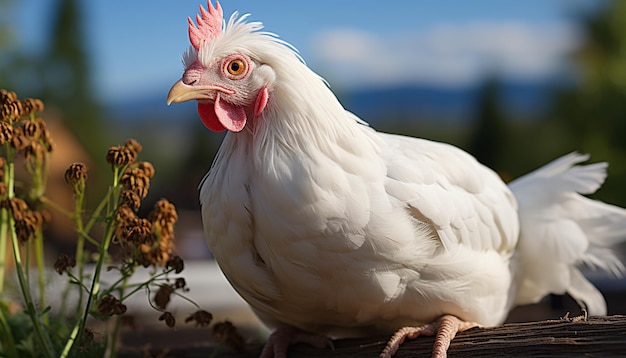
329 228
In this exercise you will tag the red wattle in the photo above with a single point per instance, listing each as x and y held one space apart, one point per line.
206 111
222 115
231 116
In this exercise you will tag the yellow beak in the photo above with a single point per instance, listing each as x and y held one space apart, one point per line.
181 92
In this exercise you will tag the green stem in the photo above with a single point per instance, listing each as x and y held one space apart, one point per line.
39 253
40 333
141 285
187 299
4 220
112 341
7 337
26 258
93 292
106 202
96 213
64 295
110 351
39 168
122 282
75 281
89 239
70 342
4 231
80 243
55 206
112 201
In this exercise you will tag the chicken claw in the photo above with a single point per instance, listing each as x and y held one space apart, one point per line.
444 329
285 336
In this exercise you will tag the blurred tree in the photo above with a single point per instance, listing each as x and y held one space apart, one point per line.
60 75
490 133
68 80
12 60
593 113
5 36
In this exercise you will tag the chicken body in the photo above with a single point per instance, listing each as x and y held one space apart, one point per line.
342 242
324 224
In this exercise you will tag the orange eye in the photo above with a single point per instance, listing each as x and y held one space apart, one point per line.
236 67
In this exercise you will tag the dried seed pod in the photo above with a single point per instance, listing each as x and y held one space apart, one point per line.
35 218
10 107
34 149
109 306
19 141
162 297
164 213
133 145
226 333
17 206
137 181
180 283
6 132
151 255
7 96
31 129
24 230
86 340
131 199
176 262
147 168
75 173
201 317
46 138
169 319
63 263
139 231
120 156
32 105
124 214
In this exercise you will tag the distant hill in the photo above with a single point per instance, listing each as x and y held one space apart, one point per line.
522 100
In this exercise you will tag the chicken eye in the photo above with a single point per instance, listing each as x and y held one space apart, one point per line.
236 67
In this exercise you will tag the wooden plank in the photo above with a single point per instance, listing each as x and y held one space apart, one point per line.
568 337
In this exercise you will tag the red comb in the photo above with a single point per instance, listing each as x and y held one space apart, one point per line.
209 25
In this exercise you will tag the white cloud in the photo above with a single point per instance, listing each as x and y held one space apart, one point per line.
448 54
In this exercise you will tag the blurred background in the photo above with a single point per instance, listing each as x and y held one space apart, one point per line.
516 83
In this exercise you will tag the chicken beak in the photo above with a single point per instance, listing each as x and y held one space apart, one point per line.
181 92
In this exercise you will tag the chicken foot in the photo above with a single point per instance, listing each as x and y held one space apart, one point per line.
444 329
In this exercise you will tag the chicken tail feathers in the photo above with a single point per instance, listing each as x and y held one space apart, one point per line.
563 231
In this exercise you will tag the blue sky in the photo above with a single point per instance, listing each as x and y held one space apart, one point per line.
136 46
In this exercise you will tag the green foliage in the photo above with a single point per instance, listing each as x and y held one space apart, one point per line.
30 330
490 132
593 112
68 75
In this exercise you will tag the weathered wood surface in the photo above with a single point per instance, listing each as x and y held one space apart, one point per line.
594 337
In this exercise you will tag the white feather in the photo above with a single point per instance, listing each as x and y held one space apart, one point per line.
322 223
562 230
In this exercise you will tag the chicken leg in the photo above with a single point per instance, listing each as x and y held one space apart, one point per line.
444 329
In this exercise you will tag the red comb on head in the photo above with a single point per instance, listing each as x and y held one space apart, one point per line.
209 25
